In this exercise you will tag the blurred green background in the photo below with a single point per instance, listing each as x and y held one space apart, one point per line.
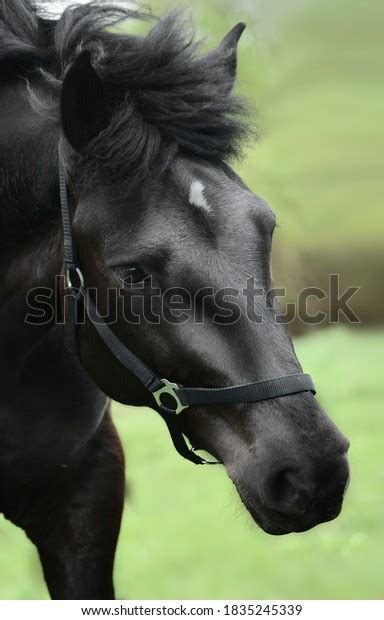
313 70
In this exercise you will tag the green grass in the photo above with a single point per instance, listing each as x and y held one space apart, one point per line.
186 535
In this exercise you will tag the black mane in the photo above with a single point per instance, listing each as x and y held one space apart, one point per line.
163 93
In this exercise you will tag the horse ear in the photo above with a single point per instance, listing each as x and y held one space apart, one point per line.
83 102
227 53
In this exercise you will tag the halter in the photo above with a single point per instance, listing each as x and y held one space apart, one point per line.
170 399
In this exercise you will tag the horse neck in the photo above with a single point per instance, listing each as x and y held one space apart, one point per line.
30 234
29 211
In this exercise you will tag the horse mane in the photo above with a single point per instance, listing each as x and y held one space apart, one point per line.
162 90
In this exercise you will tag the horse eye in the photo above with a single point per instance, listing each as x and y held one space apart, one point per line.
130 274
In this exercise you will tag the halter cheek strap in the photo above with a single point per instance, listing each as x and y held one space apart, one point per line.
170 399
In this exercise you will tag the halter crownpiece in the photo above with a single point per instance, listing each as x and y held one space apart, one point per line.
170 399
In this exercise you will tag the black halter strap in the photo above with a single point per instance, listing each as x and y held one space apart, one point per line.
170 398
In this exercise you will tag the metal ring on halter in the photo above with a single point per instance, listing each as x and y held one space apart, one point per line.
169 389
80 285
80 276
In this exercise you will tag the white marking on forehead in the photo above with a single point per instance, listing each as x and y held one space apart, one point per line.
196 195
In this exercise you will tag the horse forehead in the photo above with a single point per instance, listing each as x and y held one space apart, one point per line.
208 188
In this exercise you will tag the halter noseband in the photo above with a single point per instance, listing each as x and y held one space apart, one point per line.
177 396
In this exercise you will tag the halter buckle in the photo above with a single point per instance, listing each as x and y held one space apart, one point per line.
170 389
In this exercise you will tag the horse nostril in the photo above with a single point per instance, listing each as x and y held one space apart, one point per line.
287 492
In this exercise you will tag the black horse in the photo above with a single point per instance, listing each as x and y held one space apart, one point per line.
144 125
